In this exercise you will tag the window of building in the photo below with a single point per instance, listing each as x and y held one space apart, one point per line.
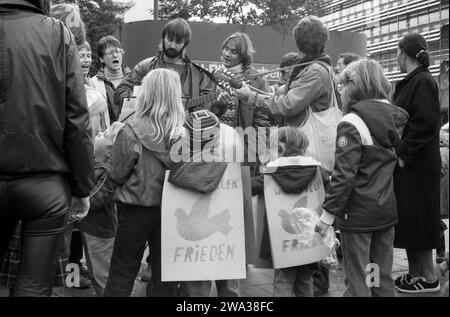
413 21
423 19
402 26
393 26
434 17
424 28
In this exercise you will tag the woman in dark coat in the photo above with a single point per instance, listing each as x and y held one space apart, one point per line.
417 178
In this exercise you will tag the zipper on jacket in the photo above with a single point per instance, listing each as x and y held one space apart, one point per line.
3 70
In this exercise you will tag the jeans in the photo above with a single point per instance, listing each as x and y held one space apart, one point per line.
360 249
98 252
294 281
42 203
137 225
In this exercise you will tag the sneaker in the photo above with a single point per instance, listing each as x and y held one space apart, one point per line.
440 257
420 285
402 280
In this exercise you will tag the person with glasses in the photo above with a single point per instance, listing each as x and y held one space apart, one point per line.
112 73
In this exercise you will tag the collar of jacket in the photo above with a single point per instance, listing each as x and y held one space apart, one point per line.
416 71
20 5
145 135
308 58
384 120
101 73
187 63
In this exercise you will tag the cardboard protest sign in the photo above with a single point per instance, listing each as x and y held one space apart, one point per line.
202 235
129 106
291 244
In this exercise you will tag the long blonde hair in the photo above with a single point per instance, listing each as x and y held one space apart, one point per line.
159 102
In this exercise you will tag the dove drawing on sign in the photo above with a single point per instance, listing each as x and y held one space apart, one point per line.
198 225
287 223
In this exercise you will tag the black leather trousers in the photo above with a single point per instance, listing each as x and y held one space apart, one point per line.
42 203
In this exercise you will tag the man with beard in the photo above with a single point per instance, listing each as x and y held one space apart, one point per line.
175 37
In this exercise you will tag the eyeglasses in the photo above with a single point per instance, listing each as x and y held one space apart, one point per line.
116 51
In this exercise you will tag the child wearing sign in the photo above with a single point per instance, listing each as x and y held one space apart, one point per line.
206 135
139 158
287 146
361 195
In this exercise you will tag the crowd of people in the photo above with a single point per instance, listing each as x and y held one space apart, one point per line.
73 163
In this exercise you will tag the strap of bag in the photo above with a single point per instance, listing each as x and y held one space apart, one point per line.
333 88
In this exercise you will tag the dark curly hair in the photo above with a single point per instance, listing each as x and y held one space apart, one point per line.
415 47
311 35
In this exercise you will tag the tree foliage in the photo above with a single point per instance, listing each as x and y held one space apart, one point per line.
101 17
247 12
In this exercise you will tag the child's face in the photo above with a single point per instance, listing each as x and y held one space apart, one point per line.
85 60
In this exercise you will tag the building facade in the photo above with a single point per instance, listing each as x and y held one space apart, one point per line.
384 22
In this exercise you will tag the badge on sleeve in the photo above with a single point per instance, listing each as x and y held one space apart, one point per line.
342 142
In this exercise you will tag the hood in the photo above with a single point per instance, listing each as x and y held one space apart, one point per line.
308 58
144 133
384 120
36 6
198 176
293 174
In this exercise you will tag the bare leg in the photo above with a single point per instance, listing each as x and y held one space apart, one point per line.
425 263
413 266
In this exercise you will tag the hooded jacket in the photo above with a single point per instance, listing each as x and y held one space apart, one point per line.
138 165
44 118
204 177
361 193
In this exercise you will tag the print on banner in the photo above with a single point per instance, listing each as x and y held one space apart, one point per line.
203 234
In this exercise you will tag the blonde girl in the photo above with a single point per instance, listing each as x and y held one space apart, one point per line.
139 158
